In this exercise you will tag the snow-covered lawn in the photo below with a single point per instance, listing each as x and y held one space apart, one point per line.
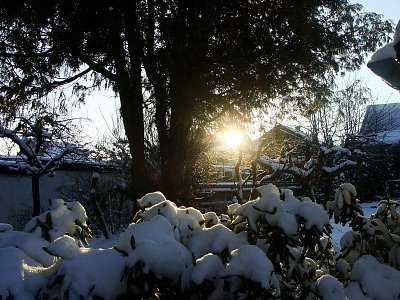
179 252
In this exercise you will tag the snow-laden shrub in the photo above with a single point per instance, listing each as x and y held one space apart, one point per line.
250 262
34 268
276 246
169 249
215 239
378 235
292 232
345 206
184 219
65 247
156 258
30 244
62 218
211 219
166 259
156 229
86 274
205 279
5 227
328 288
21 277
150 199
370 279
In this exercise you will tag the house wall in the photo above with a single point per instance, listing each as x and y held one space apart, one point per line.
16 195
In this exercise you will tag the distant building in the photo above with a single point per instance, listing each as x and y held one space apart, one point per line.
382 123
15 184
379 141
282 137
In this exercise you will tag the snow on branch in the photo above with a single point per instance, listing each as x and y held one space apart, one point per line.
39 153
20 141
340 166
278 166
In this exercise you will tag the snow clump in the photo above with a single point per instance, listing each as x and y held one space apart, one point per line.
63 218
30 244
251 262
328 288
150 199
373 279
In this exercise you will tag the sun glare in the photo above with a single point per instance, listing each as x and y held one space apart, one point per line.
231 138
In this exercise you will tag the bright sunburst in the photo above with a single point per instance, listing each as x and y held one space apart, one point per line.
231 138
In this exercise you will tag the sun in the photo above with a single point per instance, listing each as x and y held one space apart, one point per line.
231 138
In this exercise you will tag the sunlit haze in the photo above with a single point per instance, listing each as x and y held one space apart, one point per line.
231 138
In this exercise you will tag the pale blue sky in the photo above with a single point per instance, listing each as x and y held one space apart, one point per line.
389 8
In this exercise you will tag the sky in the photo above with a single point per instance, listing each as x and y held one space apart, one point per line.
100 107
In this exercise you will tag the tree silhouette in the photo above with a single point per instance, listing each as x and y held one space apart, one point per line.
196 59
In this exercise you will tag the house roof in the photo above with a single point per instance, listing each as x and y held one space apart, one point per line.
383 122
16 164
293 132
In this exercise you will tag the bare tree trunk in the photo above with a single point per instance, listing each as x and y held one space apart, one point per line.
239 179
129 81
173 169
180 124
132 116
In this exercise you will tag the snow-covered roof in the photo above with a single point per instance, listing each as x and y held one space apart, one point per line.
295 132
383 122
17 163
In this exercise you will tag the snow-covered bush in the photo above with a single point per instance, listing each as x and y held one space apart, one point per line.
275 246
62 218
370 279
291 231
345 206
32 246
378 235
86 273
179 253
21 277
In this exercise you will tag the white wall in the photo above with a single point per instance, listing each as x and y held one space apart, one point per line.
16 194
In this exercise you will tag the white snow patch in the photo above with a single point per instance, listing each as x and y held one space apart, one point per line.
5 227
65 247
30 244
94 272
21 277
63 217
329 288
251 262
156 229
169 259
314 215
150 199
215 240
383 53
374 280
208 268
